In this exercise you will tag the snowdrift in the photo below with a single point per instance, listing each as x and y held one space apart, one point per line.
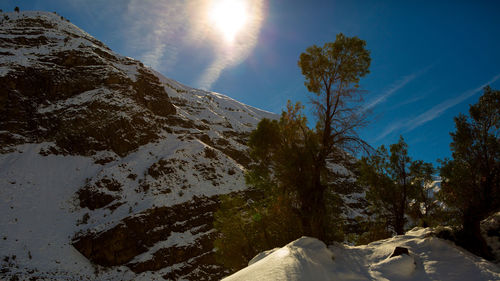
429 258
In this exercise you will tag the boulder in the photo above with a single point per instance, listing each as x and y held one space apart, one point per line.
398 251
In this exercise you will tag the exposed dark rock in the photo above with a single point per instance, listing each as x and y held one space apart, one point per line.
160 168
104 160
240 137
210 153
206 139
92 198
132 176
135 234
241 157
398 251
151 94
109 184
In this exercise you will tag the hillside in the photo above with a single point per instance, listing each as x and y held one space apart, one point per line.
108 167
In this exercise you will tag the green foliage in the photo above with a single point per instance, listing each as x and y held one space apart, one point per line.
397 185
289 160
282 153
369 231
425 210
471 179
334 221
281 182
332 73
232 224
343 61
271 218
248 227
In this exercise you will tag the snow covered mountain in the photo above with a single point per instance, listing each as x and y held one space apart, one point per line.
108 169
111 171
426 258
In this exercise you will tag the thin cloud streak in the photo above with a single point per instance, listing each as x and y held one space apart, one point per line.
212 73
393 88
389 129
152 25
433 112
396 87
413 100
439 109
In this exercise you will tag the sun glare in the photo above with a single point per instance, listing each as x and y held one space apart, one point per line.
229 17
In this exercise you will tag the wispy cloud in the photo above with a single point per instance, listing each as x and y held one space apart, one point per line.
160 30
419 97
396 86
156 30
439 109
389 129
432 113
392 89
212 73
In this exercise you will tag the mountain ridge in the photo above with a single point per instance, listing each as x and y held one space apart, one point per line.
107 162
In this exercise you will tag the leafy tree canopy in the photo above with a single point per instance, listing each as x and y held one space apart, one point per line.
396 184
471 179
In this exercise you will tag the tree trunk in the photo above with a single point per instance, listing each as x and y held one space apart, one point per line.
313 209
399 224
318 220
472 239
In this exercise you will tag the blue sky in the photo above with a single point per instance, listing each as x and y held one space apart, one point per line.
430 59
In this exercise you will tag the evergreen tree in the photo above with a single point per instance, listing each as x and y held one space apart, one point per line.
16 9
395 184
271 218
332 74
425 210
289 168
247 227
471 179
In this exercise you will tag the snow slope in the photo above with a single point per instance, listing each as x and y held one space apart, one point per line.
430 258
193 154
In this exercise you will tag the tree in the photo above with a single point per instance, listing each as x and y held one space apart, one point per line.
247 227
289 168
332 74
279 174
471 179
426 210
395 183
16 9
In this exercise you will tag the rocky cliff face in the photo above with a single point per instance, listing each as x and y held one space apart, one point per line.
60 84
108 170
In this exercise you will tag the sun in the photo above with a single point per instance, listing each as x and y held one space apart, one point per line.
229 17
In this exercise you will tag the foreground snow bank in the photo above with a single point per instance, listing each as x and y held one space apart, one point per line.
429 258
305 258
